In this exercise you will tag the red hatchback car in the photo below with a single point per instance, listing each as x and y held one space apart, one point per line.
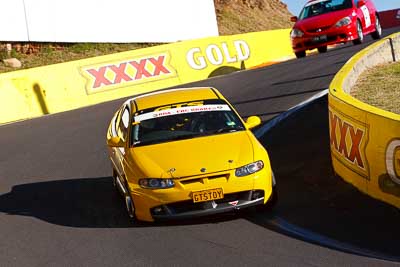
326 22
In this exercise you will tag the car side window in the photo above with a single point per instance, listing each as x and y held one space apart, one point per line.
114 123
123 123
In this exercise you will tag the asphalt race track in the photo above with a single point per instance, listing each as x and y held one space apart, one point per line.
58 207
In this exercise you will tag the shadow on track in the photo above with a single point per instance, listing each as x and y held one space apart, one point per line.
313 198
75 202
86 203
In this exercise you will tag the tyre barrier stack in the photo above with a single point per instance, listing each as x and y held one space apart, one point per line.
365 140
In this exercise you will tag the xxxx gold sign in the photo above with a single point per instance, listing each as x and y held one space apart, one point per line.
348 140
112 75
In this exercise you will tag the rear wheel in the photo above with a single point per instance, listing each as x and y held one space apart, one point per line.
377 34
323 49
114 178
360 35
300 54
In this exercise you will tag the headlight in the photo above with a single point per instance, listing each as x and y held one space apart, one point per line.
343 22
296 33
249 169
154 183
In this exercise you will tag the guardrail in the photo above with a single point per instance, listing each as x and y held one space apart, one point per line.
61 87
365 140
390 18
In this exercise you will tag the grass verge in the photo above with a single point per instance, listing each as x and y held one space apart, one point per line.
380 87
47 53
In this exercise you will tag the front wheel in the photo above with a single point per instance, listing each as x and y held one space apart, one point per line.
323 49
377 34
360 35
300 54
130 207
273 199
122 187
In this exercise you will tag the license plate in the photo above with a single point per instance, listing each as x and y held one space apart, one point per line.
207 195
321 38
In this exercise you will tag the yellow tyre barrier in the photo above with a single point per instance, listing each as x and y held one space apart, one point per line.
365 140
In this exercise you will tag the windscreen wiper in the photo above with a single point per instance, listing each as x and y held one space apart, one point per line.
228 130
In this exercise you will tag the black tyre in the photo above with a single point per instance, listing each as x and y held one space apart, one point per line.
121 186
273 199
300 54
360 38
323 49
130 207
377 34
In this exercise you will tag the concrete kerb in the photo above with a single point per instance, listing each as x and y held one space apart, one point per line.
381 52
278 119
364 138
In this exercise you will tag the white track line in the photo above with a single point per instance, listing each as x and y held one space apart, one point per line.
272 123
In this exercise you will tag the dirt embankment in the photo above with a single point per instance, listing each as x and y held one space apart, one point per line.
240 16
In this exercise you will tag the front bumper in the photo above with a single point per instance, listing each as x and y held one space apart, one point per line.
188 209
331 36
176 202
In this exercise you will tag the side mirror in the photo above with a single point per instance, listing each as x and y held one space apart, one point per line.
294 19
253 121
115 141
361 3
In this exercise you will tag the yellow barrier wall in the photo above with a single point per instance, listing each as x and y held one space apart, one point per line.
60 87
365 141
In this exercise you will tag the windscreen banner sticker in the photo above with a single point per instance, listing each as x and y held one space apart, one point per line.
181 110
112 75
179 105
367 17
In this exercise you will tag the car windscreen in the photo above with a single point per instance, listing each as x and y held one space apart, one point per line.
316 8
183 121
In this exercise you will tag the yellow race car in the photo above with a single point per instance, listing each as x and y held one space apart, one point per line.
183 153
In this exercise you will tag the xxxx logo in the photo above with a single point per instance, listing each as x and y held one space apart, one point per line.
109 76
348 139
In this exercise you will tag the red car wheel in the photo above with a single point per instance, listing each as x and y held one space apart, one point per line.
377 34
360 38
